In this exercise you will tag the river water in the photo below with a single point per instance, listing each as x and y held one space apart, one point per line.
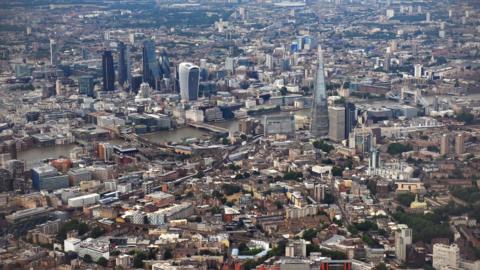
34 156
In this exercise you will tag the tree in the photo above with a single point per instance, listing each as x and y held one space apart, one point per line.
337 171
398 148
322 145
283 91
309 234
466 117
433 148
279 204
97 232
381 266
406 198
87 258
138 259
289 175
199 174
102 262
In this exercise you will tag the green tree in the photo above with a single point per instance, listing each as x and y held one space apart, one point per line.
405 198
138 259
381 266
309 234
337 171
398 148
167 255
322 145
87 258
283 91
466 117
102 262
97 232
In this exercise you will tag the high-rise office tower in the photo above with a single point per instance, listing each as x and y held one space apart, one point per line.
151 69
58 87
135 83
386 63
460 144
445 144
418 70
230 64
374 161
403 238
350 118
189 76
53 52
164 64
85 85
269 61
319 122
336 123
435 104
108 72
122 63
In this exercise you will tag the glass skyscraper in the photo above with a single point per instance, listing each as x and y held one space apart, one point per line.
319 122
107 71
151 69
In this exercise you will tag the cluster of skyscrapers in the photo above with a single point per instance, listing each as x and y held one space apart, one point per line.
155 72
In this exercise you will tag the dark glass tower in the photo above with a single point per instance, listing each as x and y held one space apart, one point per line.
350 121
107 71
151 70
319 122
165 64
122 63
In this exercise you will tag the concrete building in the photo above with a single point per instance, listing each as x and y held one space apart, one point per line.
336 127
445 256
71 244
403 238
460 144
48 178
418 71
445 144
189 77
279 124
96 248
83 200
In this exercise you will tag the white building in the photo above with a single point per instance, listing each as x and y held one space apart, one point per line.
189 77
195 115
446 256
403 238
95 248
71 244
83 200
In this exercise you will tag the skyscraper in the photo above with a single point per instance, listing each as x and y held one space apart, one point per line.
459 144
319 122
164 64
122 63
350 118
151 69
53 52
336 127
445 144
108 72
403 238
189 76
85 85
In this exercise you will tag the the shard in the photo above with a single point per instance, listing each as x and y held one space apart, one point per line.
319 123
